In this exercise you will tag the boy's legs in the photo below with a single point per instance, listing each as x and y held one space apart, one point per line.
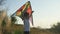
26 32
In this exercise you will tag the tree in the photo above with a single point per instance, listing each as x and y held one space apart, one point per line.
56 28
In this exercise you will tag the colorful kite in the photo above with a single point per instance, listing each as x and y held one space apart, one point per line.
25 8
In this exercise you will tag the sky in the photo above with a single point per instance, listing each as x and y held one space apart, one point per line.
46 12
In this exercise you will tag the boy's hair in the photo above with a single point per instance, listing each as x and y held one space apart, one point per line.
26 14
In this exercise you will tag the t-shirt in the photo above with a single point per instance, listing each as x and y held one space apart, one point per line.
26 25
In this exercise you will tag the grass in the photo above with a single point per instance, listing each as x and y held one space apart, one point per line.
19 30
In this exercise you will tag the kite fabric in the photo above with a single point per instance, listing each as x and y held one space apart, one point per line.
31 19
25 8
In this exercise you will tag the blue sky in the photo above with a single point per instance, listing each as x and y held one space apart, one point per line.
46 12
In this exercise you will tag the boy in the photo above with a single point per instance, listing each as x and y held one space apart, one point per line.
26 23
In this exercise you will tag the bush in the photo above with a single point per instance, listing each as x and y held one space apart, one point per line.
18 32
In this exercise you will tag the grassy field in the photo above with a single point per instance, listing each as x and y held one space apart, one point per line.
18 29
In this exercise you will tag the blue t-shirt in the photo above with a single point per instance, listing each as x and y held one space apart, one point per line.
26 24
